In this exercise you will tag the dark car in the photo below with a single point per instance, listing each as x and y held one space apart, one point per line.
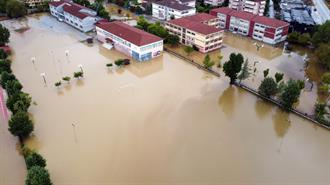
126 62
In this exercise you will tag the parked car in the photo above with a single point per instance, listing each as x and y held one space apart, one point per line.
126 62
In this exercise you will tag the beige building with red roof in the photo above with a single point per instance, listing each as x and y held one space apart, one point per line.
256 7
78 16
200 30
136 43
261 28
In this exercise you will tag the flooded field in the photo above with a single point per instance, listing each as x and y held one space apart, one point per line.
160 122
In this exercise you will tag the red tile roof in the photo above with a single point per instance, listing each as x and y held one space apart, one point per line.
223 10
75 11
201 17
196 26
56 3
242 15
250 17
270 22
128 33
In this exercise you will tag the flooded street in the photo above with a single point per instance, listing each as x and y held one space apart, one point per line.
160 122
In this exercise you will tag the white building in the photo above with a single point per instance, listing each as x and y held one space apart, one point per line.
199 30
256 7
213 2
167 9
138 44
78 16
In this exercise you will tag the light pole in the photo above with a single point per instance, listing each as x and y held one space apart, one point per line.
43 75
67 53
258 46
33 59
80 66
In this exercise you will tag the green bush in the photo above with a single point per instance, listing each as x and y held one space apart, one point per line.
37 175
35 159
20 125
268 87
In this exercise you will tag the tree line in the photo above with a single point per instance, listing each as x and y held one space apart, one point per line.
20 124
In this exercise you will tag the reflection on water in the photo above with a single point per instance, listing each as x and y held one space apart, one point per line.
157 122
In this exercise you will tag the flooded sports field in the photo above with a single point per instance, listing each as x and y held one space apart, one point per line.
159 122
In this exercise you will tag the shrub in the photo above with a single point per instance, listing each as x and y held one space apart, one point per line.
20 125
78 74
268 87
37 175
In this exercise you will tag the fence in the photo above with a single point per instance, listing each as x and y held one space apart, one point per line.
199 66
295 111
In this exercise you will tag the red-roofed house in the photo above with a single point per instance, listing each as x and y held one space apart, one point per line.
198 30
268 30
73 14
138 44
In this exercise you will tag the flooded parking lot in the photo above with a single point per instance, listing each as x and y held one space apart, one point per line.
160 122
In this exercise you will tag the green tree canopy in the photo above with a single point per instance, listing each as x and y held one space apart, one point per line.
173 40
13 87
245 72
38 176
207 61
188 50
5 66
20 125
19 102
322 35
233 66
157 29
290 94
268 87
3 54
4 35
35 159
5 77
15 9
323 55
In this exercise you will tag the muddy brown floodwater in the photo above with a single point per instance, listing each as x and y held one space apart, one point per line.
160 122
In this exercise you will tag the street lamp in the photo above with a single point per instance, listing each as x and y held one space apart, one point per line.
43 75
66 52
258 46
33 59
80 66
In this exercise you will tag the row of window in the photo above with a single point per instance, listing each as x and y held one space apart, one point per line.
151 46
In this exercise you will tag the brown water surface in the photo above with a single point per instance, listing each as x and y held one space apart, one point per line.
160 122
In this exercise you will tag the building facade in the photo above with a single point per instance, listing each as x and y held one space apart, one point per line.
261 28
213 2
35 3
199 30
256 7
77 16
172 9
135 43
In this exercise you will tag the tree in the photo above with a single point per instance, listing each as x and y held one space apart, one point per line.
20 125
3 55
13 87
142 23
85 3
78 74
279 77
233 66
157 29
104 14
5 65
4 35
266 72
15 9
67 79
293 37
57 84
322 34
290 94
188 50
268 87
109 64
35 159
323 55
326 78
37 175
19 102
304 39
5 77
3 4
173 40
245 72
207 61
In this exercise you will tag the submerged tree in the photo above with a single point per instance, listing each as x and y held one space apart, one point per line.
268 87
279 77
188 50
290 94
4 35
233 66
245 72
20 125
207 61
38 176
35 159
